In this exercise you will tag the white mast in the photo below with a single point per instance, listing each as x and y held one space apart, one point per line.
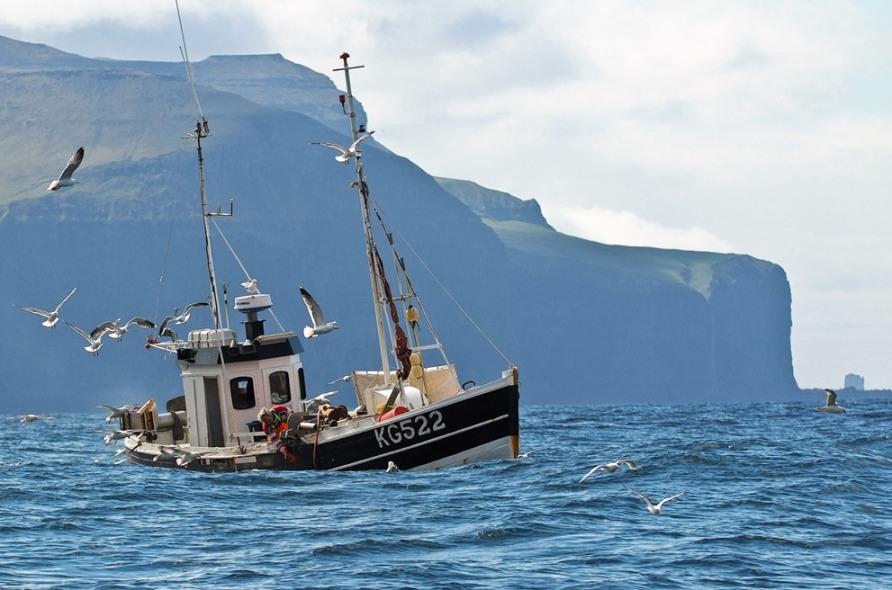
367 225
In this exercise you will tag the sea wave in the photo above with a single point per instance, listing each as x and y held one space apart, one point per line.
775 495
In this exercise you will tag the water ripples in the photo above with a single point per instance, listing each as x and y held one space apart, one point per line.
776 495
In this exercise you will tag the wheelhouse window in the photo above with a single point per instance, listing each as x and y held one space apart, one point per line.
279 387
241 389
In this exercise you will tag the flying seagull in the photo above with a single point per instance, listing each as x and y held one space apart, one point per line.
314 404
116 332
114 412
52 317
116 435
344 379
348 152
251 286
65 179
104 327
831 397
94 342
29 418
319 324
651 507
610 467
183 457
180 319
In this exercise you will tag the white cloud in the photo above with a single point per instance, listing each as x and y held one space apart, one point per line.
626 228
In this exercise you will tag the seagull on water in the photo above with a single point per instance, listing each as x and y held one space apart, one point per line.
65 179
180 319
51 317
116 332
94 342
348 152
391 467
651 507
114 412
320 326
610 467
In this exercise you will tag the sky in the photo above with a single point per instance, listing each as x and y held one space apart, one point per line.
756 127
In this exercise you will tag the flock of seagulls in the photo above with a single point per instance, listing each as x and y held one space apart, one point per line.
613 466
115 330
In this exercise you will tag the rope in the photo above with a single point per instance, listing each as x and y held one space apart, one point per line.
242 266
443 287
455 301
184 51
164 264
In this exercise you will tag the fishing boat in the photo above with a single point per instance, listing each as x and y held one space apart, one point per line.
409 413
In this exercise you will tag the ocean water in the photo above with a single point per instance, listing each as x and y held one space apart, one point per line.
776 496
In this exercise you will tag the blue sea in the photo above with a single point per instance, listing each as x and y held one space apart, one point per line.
777 495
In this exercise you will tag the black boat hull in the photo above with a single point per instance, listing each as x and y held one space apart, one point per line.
474 426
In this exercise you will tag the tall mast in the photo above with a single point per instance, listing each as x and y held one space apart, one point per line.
202 131
367 224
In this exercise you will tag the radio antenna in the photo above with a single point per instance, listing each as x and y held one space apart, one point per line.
184 53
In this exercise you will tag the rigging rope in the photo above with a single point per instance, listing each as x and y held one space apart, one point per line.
184 51
242 266
164 264
455 301
442 286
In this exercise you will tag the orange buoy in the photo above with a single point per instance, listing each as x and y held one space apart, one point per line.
392 413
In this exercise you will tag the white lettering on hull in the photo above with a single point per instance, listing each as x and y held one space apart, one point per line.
405 430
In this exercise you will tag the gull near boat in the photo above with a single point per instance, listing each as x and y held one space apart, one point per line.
409 414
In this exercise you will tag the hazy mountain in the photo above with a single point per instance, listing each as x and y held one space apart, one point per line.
584 321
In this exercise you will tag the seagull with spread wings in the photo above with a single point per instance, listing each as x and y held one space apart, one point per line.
651 507
346 153
116 332
65 178
94 338
610 467
114 412
180 319
51 317
320 326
